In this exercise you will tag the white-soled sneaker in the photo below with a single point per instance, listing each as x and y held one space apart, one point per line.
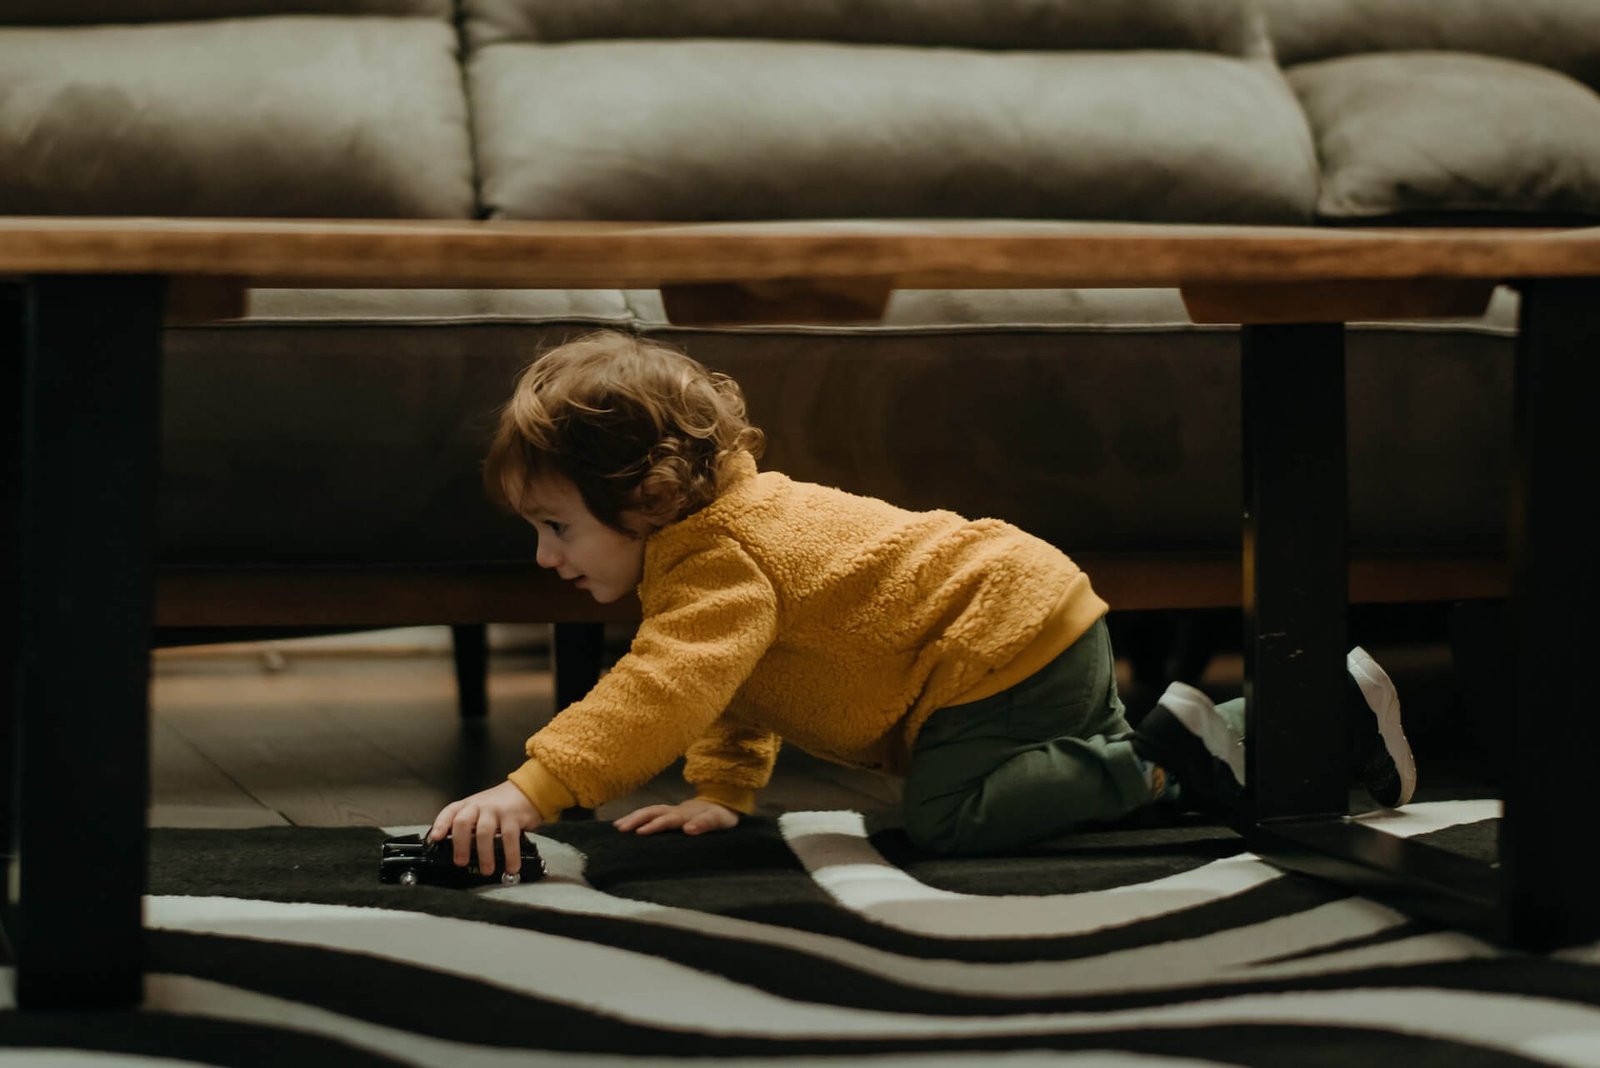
1386 766
1192 743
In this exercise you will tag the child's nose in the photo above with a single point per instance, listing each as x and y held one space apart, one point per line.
547 555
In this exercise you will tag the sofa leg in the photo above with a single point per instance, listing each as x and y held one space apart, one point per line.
1480 644
470 644
575 654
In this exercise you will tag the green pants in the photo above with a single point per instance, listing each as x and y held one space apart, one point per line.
1033 762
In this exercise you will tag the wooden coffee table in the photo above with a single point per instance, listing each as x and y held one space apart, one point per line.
81 315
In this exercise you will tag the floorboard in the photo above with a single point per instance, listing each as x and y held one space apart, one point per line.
248 734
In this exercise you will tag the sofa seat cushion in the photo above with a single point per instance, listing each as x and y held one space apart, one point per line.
291 116
84 12
1432 132
747 129
620 308
643 309
1099 419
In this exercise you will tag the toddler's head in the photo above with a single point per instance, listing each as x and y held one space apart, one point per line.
634 425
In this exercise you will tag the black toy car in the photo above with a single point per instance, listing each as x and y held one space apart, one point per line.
409 859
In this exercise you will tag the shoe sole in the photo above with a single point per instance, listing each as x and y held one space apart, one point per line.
1384 700
1199 717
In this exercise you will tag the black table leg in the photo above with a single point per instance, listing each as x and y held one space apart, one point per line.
11 337
1296 570
1296 565
1550 868
83 365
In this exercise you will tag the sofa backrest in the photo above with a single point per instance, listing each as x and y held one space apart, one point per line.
1143 110
344 108
1563 35
1208 111
1471 110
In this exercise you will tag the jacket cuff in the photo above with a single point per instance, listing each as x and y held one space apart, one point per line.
739 798
546 791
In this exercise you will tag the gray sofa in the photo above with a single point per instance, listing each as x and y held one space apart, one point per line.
321 451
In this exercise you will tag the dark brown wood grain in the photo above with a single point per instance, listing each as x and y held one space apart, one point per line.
914 254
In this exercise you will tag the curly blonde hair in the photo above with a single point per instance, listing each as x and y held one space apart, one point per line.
635 425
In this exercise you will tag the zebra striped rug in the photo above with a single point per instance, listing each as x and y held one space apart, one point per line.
815 939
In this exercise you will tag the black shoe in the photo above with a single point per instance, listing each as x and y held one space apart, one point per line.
1193 744
1384 763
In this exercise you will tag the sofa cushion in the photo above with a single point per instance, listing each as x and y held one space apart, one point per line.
85 12
1561 34
370 307
1099 440
1434 132
1099 419
725 129
292 116
1195 25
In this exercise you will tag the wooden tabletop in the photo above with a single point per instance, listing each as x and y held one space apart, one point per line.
815 271
909 254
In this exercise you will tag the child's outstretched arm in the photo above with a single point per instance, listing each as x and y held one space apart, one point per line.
502 809
694 816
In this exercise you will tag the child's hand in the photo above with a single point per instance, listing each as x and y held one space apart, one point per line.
503 810
691 817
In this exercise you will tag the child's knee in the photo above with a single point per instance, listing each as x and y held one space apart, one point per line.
950 832
929 831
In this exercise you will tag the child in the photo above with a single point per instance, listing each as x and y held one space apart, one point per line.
967 656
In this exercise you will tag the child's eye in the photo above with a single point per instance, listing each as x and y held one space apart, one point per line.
557 529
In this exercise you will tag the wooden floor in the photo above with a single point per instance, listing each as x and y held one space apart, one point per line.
364 731
354 735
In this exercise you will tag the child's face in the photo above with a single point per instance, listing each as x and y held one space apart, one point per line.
580 548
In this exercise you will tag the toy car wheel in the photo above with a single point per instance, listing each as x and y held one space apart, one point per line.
408 878
510 878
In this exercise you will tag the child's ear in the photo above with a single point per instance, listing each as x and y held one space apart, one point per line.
649 512
642 524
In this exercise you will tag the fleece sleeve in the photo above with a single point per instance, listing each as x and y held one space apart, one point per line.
730 762
708 619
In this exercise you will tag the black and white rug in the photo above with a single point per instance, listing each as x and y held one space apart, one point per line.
815 939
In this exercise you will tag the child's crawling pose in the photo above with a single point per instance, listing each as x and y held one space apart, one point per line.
965 655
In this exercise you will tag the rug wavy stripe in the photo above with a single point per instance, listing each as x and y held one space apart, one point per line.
567 890
1281 897
156 1036
1179 963
1246 1031
649 994
727 945
337 979
717 948
835 848
788 908
177 994
636 986
1234 954
77 1058
1433 960
1205 964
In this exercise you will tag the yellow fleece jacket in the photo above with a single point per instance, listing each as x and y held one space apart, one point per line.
797 612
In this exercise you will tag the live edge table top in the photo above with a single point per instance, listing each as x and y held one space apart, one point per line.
903 254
